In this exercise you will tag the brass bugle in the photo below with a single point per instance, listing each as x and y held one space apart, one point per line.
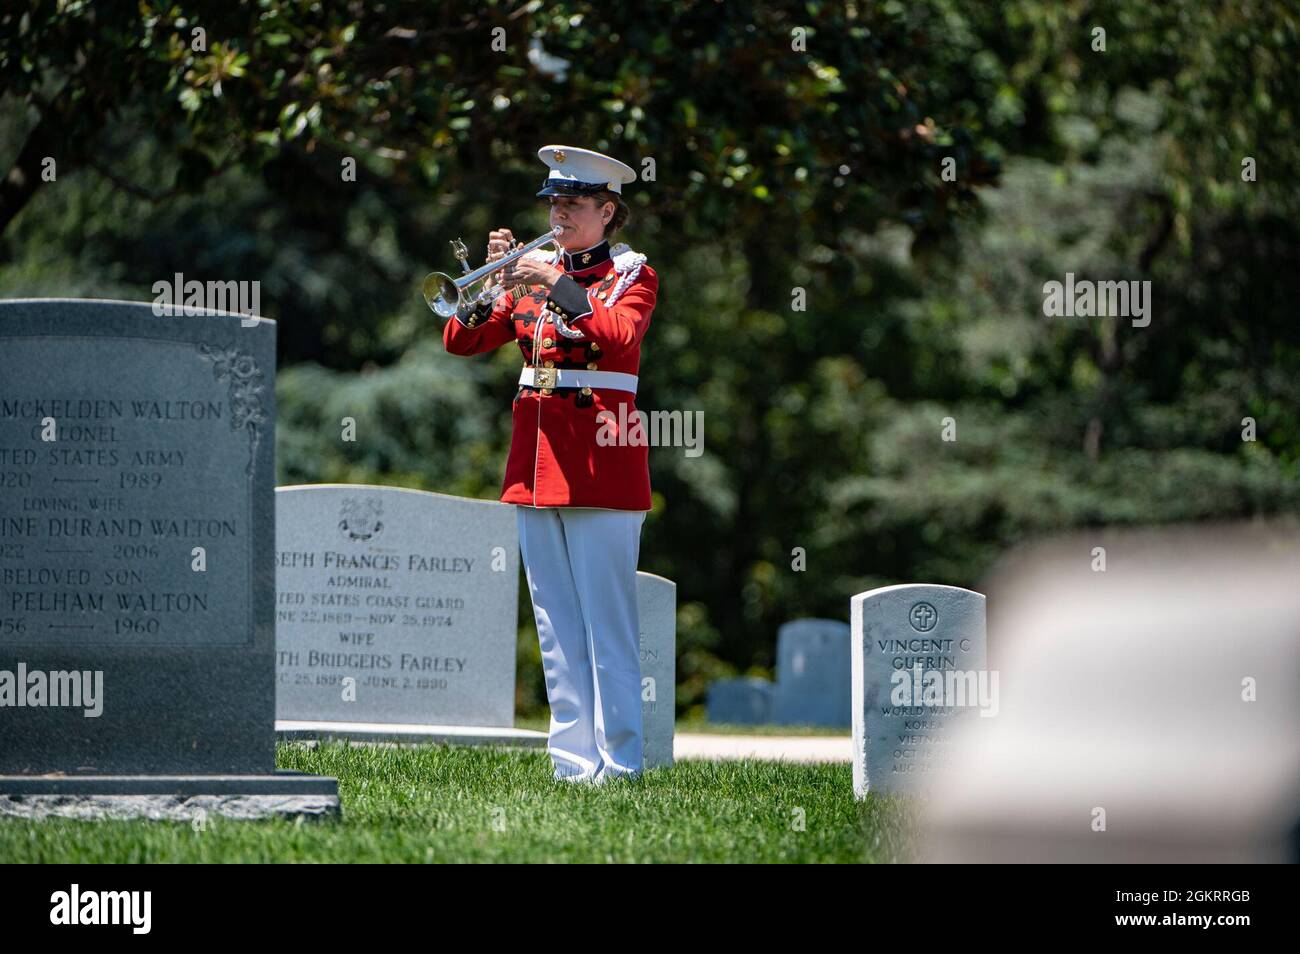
445 295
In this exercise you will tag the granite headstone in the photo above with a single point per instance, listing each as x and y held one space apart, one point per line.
137 577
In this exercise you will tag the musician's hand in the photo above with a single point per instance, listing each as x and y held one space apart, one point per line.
500 241
531 271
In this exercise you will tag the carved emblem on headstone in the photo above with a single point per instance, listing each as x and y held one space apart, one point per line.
240 369
923 616
359 519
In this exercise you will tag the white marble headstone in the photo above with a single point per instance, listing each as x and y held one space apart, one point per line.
934 634
657 608
395 606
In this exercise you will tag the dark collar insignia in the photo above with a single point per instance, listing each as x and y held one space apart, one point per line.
586 258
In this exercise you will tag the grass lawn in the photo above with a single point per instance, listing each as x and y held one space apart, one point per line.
543 723
727 728
449 803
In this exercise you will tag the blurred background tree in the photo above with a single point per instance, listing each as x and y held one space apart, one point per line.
795 149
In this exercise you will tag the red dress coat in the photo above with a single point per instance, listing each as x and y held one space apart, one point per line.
555 458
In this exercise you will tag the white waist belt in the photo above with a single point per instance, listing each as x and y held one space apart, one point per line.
564 378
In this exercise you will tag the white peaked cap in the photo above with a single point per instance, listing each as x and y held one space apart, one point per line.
575 171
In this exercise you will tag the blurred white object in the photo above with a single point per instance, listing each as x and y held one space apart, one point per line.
556 67
1125 731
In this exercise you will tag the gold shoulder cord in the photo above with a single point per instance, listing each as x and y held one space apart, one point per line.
538 331
537 341
515 292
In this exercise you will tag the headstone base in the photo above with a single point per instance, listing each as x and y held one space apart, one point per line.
295 731
283 794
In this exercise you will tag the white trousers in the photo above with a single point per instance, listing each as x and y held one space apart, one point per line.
581 568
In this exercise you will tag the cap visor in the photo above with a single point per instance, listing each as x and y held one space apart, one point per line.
571 188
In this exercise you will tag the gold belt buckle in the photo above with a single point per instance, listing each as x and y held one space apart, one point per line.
544 377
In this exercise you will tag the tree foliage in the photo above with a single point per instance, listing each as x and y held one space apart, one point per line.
797 152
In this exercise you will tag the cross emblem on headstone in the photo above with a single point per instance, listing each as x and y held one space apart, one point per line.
923 617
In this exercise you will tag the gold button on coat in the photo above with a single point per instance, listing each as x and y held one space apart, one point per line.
550 364
586 390
591 365
547 390
547 342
